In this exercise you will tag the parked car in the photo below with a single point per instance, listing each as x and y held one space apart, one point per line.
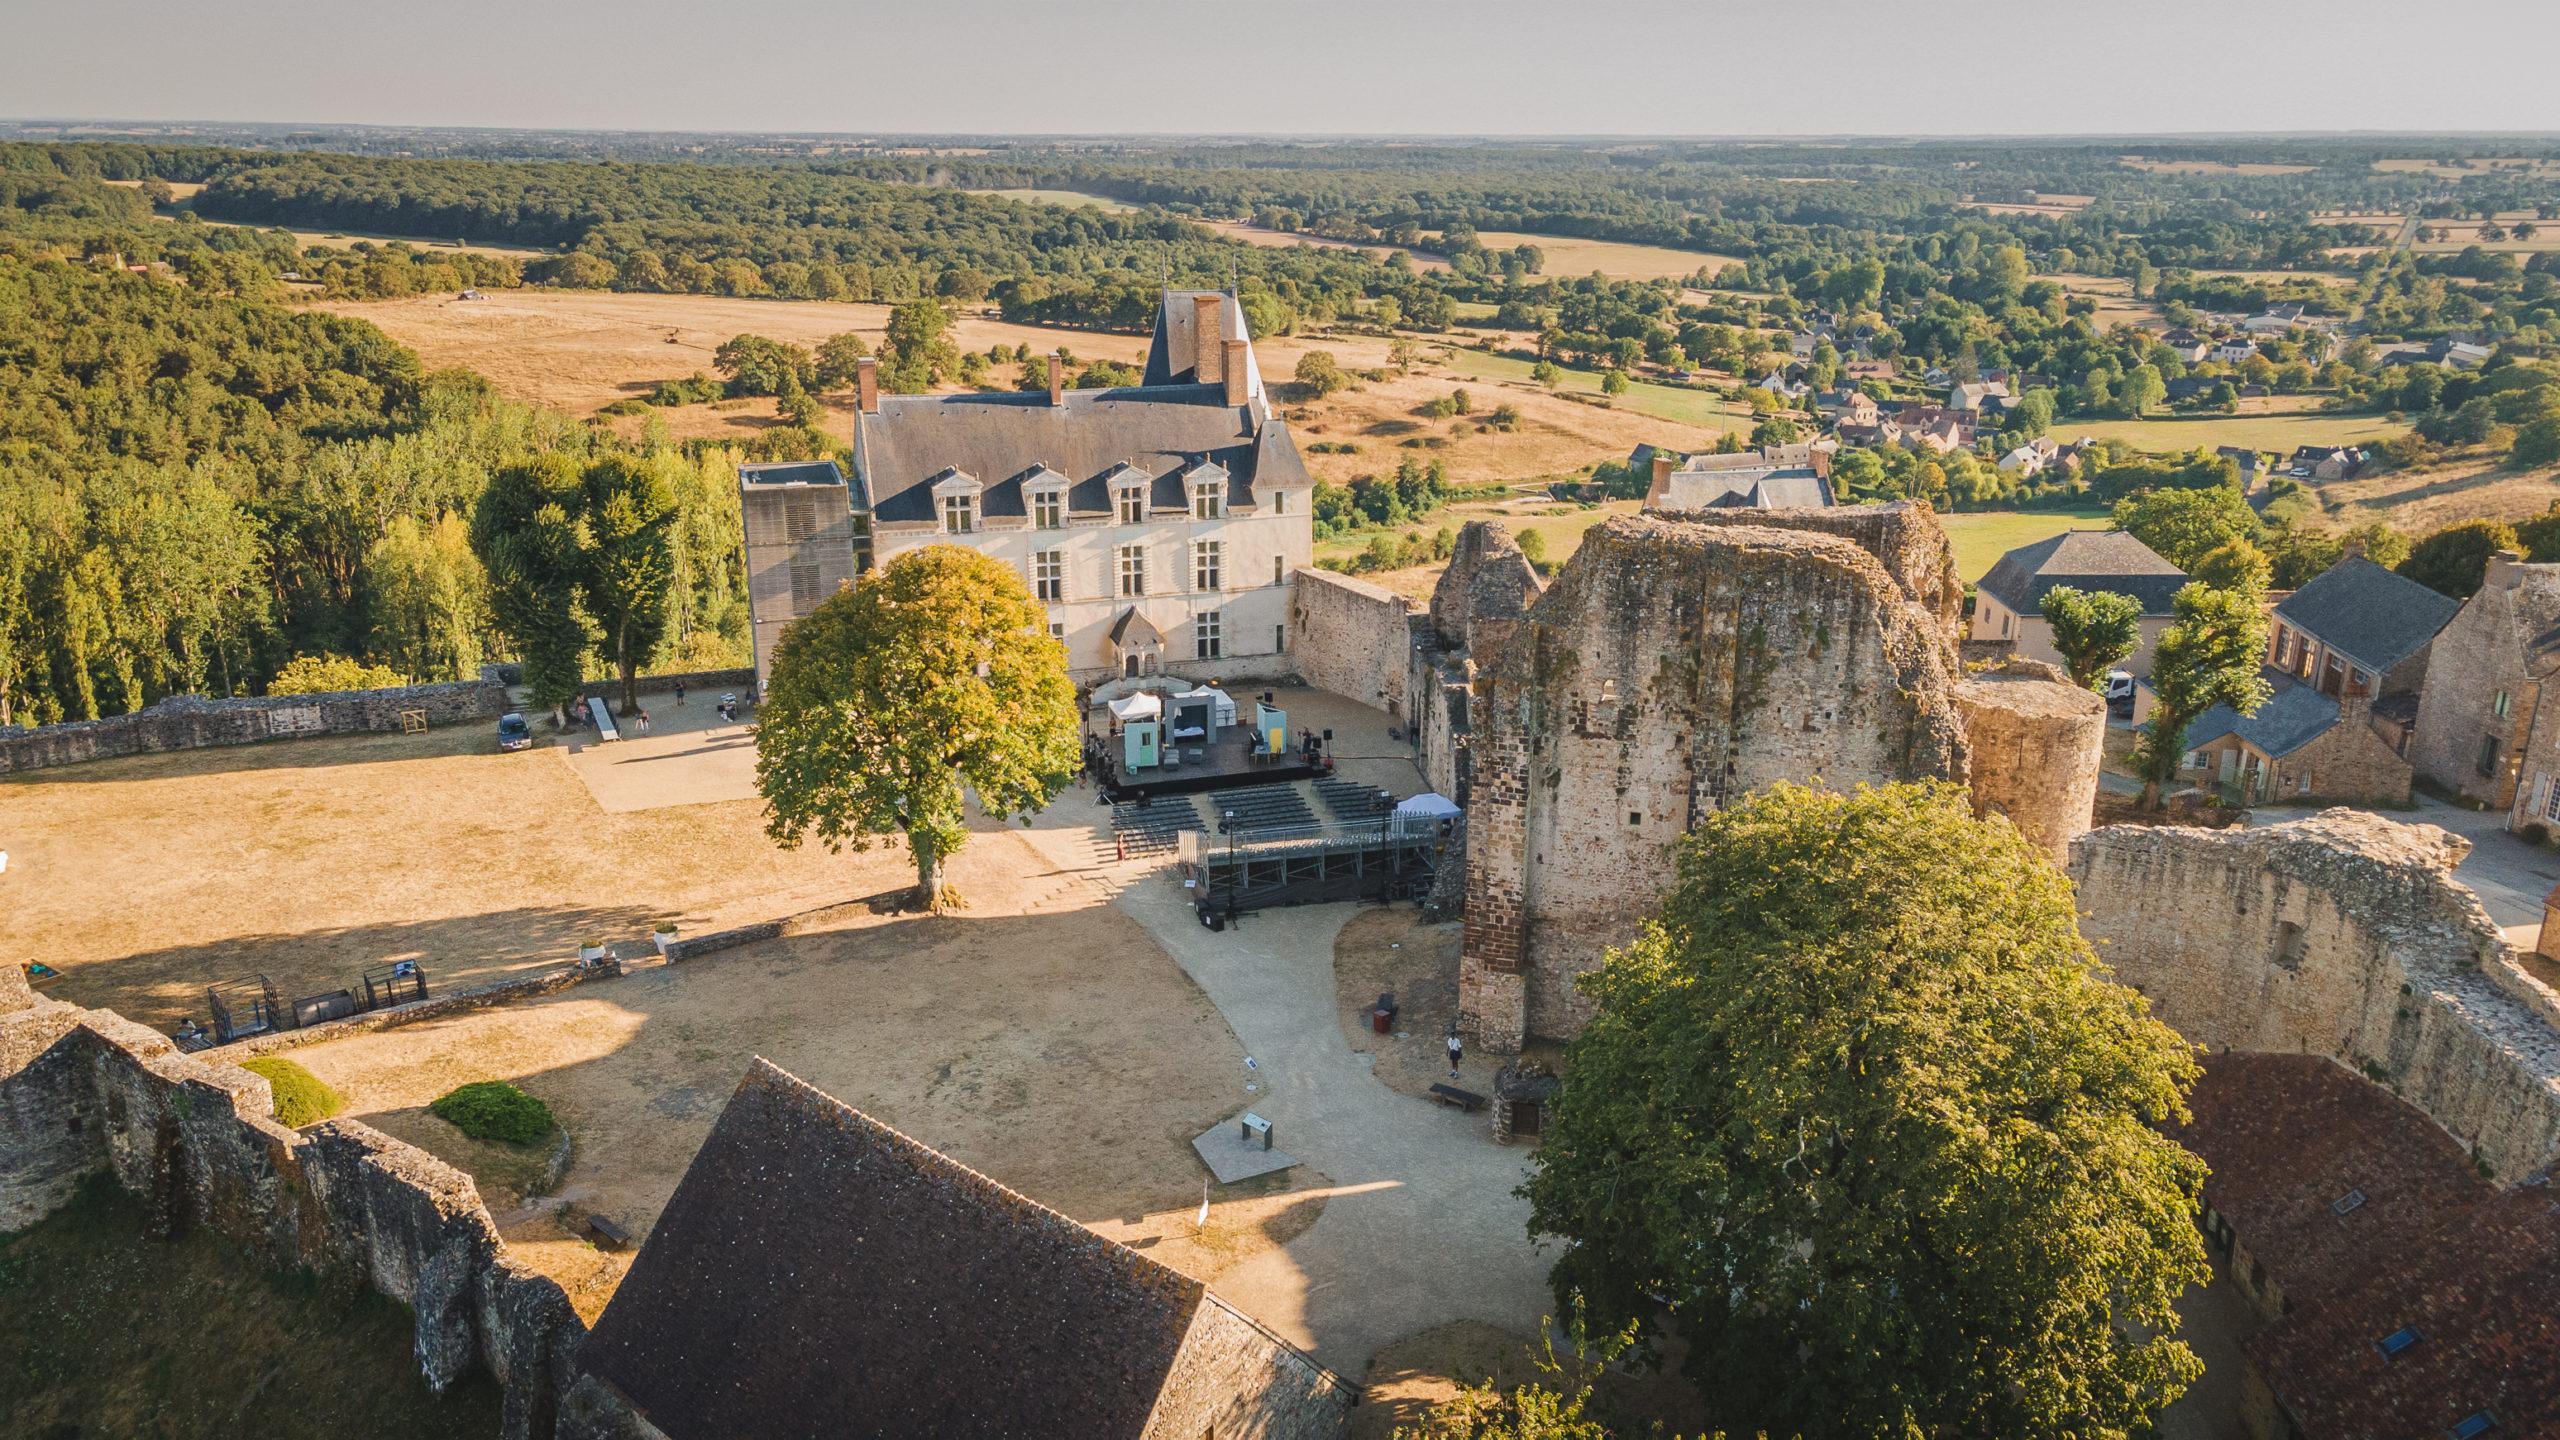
514 733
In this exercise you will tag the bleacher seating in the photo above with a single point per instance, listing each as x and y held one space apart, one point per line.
1349 800
1154 828
1259 807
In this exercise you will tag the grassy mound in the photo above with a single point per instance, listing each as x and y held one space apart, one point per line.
494 1110
301 1098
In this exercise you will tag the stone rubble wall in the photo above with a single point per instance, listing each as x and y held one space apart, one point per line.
192 722
2037 742
2343 934
1350 637
1903 535
87 1091
1672 668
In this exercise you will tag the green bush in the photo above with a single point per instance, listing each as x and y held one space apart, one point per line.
494 1110
301 1098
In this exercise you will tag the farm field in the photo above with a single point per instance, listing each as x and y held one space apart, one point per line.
2211 167
2438 495
1981 537
1068 198
2441 171
1568 256
2277 432
1701 408
2463 234
2114 294
1284 239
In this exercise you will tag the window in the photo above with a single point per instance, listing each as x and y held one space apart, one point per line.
2487 765
1279 570
1279 639
1049 575
1058 631
1205 632
2550 803
2289 950
959 514
1133 569
1279 502
2395 1342
1206 571
1133 507
2502 707
1208 500
2478 1422
1049 511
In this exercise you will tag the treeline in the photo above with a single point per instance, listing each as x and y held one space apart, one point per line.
198 485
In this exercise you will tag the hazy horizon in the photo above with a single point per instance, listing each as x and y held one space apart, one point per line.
1501 69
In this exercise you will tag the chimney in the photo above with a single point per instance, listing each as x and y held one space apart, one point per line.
1057 377
866 385
1661 486
1208 358
2352 549
2502 571
1231 365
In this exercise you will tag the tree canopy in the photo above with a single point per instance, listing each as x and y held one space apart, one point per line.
2093 629
1861 1108
2209 655
931 677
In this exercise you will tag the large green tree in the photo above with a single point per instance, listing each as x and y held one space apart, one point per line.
2452 560
2183 526
630 562
2093 629
427 595
1863 1111
529 531
931 678
917 352
2209 655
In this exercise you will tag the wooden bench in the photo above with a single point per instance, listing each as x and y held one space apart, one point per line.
609 1236
1466 1100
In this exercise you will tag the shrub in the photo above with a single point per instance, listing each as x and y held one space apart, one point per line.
2536 833
494 1110
330 674
301 1098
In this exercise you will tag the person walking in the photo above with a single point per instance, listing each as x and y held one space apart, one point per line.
644 722
1457 1050
679 692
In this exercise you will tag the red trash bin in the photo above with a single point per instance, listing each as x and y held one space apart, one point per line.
1382 1020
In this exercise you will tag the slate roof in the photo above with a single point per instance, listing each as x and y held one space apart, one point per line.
2107 560
999 438
2431 1248
2294 716
1787 489
819 1273
2367 613
791 472
1171 359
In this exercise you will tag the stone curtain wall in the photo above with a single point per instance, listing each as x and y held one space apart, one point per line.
189 722
1904 536
1350 637
2036 742
84 1091
2344 935
1672 668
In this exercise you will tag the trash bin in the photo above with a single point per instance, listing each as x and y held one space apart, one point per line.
1382 1020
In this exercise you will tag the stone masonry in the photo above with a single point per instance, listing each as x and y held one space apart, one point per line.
189 722
1480 600
1350 637
2344 935
2036 742
1671 668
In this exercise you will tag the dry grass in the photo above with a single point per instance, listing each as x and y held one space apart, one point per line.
2439 170
2114 294
1068 198
1567 256
1287 239
2211 167
2434 496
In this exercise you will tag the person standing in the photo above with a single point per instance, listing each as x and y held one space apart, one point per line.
1457 1050
679 692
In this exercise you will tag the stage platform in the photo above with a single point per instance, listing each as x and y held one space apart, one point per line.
1221 764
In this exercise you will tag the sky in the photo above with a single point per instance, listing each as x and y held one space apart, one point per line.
1298 67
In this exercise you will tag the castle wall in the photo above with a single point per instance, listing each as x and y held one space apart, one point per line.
1904 536
2344 935
85 1091
2036 742
1350 637
1672 668
191 722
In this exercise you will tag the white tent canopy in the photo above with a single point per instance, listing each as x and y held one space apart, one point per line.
1141 706
1428 805
1226 705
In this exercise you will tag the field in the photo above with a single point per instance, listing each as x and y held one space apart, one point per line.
1702 408
108 1334
1981 537
578 350
2277 432
2426 499
2442 171
2463 234
2114 294
1569 257
2211 167
1284 239
1068 198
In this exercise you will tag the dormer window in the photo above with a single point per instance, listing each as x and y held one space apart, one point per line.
1048 510
1132 506
959 514
1208 499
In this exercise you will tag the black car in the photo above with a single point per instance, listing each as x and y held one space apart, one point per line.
514 733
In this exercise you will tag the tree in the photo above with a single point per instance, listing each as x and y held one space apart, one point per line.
931 678
917 352
529 531
1776 430
1533 547
427 596
1319 374
2235 564
755 365
2183 526
630 562
2537 443
1863 1112
1613 382
2093 629
2453 560
2209 655
839 360
329 674
1547 373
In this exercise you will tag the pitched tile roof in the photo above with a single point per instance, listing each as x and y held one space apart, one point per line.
818 1272
2367 613
791 472
2293 716
2107 560
2431 1248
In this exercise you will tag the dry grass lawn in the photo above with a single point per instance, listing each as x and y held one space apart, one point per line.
1569 256
2435 496
1287 239
146 878
2212 167
1039 1036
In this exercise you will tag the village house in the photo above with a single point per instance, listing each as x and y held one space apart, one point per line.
2395 1291
2321 464
2460 354
2008 604
2187 345
2481 723
1979 396
2251 463
1156 523
2275 320
1774 477
2231 350
2030 458
817 1272
1937 427
1849 406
